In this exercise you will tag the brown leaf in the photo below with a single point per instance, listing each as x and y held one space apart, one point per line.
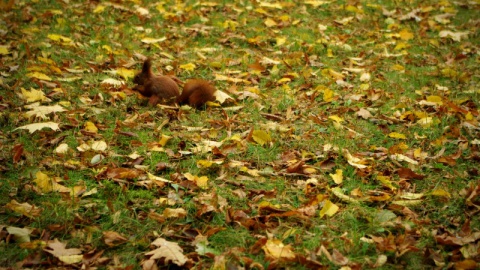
18 152
466 265
338 258
296 168
406 173
123 173
113 239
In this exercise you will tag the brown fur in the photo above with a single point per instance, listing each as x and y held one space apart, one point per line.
196 93
155 87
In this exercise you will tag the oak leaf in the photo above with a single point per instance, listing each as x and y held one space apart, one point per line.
169 251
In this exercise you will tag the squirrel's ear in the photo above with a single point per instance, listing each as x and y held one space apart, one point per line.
147 65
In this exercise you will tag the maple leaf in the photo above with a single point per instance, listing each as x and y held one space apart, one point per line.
66 255
38 75
42 111
33 95
38 126
169 251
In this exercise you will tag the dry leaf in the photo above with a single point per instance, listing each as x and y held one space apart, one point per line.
39 126
66 255
276 249
113 239
329 209
171 252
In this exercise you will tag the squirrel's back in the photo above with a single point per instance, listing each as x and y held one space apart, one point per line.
196 93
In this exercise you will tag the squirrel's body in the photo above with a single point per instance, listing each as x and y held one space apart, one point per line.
196 92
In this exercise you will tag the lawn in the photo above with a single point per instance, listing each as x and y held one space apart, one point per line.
345 134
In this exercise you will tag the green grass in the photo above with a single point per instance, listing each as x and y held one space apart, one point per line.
249 175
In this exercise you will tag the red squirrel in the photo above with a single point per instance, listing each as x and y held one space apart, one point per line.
196 92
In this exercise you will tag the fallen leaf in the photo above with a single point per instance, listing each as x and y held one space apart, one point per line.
169 251
39 126
329 209
274 248
113 239
261 137
337 177
66 255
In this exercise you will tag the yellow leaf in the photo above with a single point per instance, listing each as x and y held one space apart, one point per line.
328 95
435 99
60 38
4 50
25 209
337 177
309 170
354 161
397 135
204 163
232 25
353 9
405 34
270 23
440 192
339 193
125 73
33 95
107 48
411 196
385 180
39 76
330 53
174 213
407 202
43 182
336 118
400 157
188 67
99 9
276 249
336 75
398 67
202 181
281 41
469 116
329 209
316 3
165 138
284 80
261 137
149 40
401 46
89 126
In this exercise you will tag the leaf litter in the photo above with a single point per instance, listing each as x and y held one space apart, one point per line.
346 141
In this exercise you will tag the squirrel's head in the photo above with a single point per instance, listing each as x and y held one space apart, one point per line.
146 73
140 78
